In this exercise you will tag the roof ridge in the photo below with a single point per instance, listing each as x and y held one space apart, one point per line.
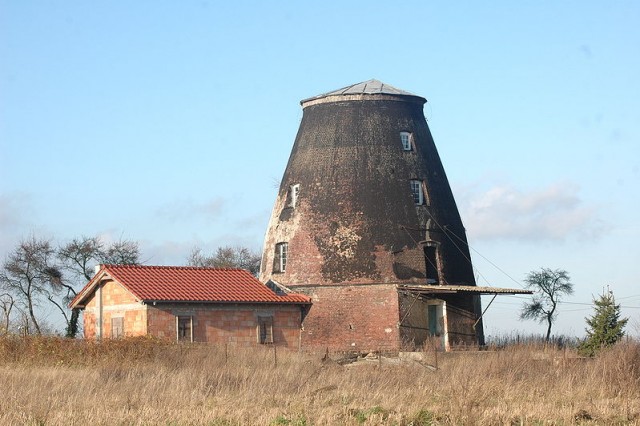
116 265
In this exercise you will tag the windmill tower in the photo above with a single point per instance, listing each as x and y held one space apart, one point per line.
366 224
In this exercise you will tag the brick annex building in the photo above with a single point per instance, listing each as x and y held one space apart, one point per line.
365 223
189 304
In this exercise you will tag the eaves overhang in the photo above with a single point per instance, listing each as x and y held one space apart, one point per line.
427 289
87 290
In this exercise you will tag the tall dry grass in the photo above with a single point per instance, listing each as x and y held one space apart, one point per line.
143 381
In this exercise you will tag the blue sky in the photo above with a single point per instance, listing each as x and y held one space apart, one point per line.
170 123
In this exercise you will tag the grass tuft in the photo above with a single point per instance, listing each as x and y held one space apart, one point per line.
56 381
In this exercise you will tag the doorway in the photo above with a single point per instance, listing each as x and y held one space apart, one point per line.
436 321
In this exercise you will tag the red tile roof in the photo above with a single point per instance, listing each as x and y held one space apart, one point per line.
189 284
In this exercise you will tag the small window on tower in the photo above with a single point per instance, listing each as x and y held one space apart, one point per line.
294 190
418 192
280 258
407 141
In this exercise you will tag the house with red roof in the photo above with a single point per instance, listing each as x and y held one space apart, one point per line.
191 304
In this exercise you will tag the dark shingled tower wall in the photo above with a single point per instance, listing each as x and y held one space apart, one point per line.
347 217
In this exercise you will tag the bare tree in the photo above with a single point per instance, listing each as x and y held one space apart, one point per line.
79 257
24 325
6 304
35 272
27 274
548 286
122 252
227 257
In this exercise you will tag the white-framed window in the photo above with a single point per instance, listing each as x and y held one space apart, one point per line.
280 258
417 191
265 329
407 141
184 328
294 190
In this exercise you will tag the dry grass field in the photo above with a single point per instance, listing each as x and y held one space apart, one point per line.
141 381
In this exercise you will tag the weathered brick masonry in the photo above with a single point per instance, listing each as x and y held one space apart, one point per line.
339 322
364 209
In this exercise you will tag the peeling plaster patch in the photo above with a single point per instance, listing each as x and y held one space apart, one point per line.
282 231
346 255
344 241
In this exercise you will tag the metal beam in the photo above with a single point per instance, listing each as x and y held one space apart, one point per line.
483 312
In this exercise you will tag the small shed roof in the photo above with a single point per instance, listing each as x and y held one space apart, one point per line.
187 284
453 289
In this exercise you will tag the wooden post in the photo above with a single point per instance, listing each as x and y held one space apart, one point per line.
435 351
275 356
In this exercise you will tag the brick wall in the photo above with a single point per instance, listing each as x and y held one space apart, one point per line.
89 324
460 321
352 318
233 324
117 302
414 331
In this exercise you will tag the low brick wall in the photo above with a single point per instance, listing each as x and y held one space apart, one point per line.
231 324
352 318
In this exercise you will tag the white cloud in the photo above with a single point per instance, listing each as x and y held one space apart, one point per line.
554 213
187 210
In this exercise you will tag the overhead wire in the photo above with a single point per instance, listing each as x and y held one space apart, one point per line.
444 231
517 282
485 258
449 232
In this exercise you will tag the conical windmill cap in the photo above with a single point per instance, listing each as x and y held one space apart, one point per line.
370 88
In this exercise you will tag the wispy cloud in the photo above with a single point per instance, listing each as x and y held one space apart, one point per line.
554 213
13 207
177 252
16 211
186 210
167 252
258 220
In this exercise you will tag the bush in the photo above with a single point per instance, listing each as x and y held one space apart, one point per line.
605 326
